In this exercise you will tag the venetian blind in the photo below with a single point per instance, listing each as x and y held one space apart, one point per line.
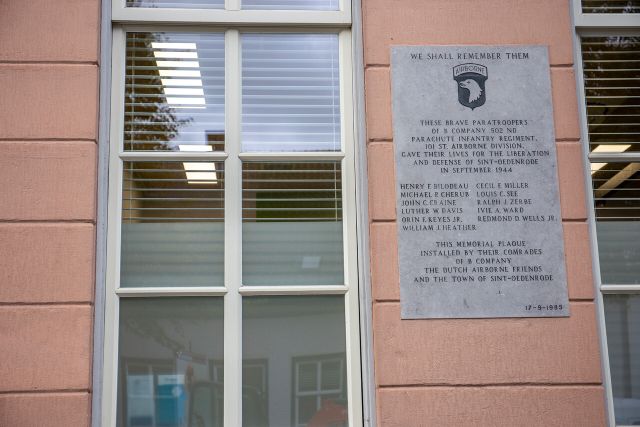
292 223
612 89
610 6
612 85
290 92
172 224
174 92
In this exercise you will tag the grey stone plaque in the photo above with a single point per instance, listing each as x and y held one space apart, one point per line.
478 210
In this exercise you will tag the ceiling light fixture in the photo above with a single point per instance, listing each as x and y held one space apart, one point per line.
177 96
200 172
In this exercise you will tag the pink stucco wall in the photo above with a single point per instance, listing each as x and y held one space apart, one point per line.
48 132
488 372
495 372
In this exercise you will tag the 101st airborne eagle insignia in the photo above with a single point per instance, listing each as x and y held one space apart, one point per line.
470 79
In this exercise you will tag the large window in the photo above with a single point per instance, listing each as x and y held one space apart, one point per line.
610 63
232 295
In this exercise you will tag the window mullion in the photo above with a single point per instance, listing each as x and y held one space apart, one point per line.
606 21
114 222
172 291
293 290
232 4
159 156
620 289
234 17
614 157
233 235
352 333
291 156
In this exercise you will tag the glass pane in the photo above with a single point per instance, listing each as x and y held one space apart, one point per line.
307 377
291 4
168 348
292 224
610 6
254 375
290 92
622 316
172 224
307 408
295 334
174 92
612 89
332 374
616 192
186 4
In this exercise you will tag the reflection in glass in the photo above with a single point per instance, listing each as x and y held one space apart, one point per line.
612 89
319 385
302 339
187 4
174 92
622 316
610 6
172 224
169 349
292 223
291 4
290 92
616 192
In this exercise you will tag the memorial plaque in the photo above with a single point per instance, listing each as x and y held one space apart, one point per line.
478 209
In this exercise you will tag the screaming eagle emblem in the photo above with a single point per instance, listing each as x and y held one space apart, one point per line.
470 79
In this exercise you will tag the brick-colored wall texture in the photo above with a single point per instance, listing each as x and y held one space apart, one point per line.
48 132
428 372
487 372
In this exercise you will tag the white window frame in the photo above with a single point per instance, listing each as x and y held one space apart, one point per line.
232 22
602 20
594 25
232 15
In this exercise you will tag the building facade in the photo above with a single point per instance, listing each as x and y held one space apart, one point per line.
198 220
